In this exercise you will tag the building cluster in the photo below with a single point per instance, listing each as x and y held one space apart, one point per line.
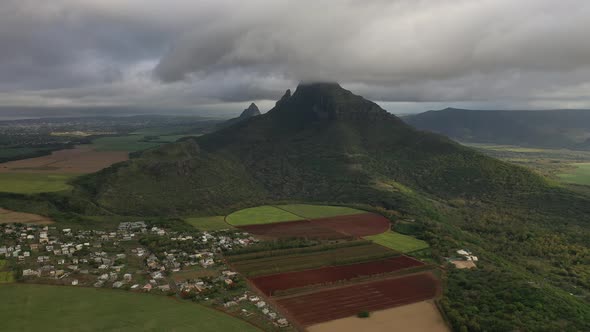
467 255
101 258
137 257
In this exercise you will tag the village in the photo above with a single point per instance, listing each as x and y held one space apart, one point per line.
136 257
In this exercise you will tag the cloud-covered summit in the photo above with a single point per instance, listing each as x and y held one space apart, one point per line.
188 53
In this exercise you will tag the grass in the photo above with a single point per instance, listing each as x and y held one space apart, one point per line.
208 223
307 259
579 175
260 215
54 308
130 143
6 278
398 242
318 211
33 183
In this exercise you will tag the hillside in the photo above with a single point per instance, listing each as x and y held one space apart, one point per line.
549 129
323 143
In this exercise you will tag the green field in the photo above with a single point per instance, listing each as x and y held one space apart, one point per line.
398 242
6 277
208 223
278 261
33 183
260 215
318 211
52 308
566 166
130 143
579 175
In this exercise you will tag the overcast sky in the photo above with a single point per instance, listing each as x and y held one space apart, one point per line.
409 55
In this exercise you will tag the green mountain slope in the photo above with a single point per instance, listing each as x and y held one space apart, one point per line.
549 129
324 144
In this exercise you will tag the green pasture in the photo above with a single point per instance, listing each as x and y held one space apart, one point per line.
33 183
208 223
260 215
579 175
398 242
6 277
64 309
309 211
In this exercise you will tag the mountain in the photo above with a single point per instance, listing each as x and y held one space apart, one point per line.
323 143
548 129
249 112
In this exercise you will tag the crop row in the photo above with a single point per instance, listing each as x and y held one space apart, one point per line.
310 260
298 250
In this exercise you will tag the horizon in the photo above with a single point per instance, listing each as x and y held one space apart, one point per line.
472 55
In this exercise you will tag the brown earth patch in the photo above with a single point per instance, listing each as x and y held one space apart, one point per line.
297 228
81 160
357 225
331 304
415 317
8 216
460 264
269 284
340 227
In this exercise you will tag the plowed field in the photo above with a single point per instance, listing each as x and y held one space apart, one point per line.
347 301
357 225
271 283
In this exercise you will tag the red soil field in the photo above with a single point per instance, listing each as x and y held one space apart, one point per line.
348 301
272 283
357 225
298 228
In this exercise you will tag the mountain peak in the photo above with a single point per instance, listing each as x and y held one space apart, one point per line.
284 98
328 100
251 111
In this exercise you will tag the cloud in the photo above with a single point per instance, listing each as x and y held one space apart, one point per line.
189 53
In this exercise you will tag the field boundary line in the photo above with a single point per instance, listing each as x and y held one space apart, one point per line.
293 213
362 282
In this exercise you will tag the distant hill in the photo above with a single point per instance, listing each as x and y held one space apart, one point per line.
323 143
249 112
549 129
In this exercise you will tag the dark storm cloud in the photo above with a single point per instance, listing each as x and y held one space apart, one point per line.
186 52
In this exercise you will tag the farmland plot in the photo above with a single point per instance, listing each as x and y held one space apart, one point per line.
331 274
310 211
399 242
308 260
351 226
80 160
330 304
